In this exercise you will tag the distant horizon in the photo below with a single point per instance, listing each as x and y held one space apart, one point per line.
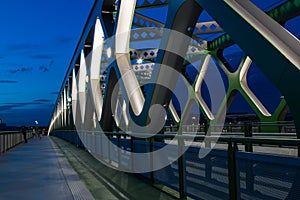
37 39
35 54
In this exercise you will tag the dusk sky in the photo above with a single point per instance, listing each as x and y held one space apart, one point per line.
37 40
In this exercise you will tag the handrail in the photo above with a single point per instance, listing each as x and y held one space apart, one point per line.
10 139
232 160
240 140
8 132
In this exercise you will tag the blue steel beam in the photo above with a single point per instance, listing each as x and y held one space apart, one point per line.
276 65
281 14
182 17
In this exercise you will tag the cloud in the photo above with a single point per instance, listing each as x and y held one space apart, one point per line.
43 100
22 105
10 64
11 106
10 93
21 70
54 93
46 68
21 47
8 81
5 108
43 68
51 63
43 56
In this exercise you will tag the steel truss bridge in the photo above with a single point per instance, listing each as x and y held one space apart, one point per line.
128 67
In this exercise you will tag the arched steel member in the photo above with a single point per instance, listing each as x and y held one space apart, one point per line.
274 50
111 5
175 48
182 17
85 115
238 43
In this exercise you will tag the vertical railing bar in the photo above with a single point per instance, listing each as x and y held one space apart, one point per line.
119 150
181 170
248 133
232 172
132 152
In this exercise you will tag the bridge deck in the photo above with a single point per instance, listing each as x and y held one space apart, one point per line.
40 169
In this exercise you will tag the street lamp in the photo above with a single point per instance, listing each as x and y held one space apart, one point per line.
139 61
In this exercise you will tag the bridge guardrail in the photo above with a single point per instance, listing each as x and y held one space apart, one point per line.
237 174
9 139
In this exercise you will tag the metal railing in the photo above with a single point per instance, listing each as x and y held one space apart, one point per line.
9 139
257 127
238 182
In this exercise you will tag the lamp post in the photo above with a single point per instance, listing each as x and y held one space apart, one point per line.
36 126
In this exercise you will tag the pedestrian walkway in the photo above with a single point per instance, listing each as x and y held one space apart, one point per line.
45 169
38 170
106 183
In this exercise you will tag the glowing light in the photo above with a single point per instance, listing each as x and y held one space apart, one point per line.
139 61
108 51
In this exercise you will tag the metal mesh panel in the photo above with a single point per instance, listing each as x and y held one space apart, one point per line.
104 146
125 154
206 178
141 146
169 174
114 150
267 176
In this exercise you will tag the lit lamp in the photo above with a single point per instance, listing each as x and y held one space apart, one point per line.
69 104
139 61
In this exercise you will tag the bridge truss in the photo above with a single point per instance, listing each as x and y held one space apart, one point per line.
143 65
114 79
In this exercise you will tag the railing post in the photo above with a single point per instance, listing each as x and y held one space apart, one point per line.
5 143
248 133
207 132
298 147
181 170
208 167
132 153
77 139
232 181
119 149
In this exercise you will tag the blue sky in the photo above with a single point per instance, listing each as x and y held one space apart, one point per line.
37 40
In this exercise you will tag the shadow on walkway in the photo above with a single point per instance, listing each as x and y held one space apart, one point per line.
38 170
104 182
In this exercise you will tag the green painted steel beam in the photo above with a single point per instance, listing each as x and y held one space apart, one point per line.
220 42
285 11
274 64
281 14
